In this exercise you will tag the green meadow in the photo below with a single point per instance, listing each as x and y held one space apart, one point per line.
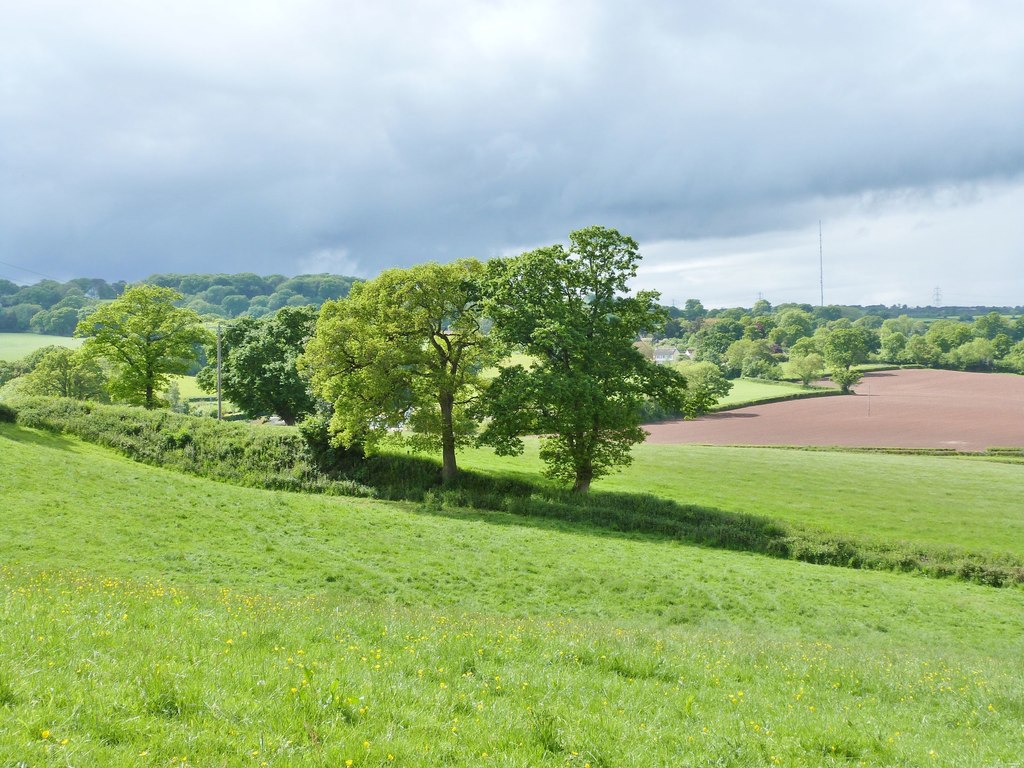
154 618
951 502
188 388
14 346
753 391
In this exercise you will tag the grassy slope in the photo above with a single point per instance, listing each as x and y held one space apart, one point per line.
932 500
358 630
14 346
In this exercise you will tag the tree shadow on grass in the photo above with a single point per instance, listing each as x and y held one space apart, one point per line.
638 515
504 500
516 502
16 434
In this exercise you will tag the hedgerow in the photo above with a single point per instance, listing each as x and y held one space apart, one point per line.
235 452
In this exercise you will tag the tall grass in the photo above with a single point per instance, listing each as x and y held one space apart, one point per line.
121 673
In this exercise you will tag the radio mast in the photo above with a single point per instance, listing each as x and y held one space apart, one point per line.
821 267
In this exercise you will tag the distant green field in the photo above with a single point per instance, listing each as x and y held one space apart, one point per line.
200 401
194 623
752 391
925 500
16 345
515 359
188 388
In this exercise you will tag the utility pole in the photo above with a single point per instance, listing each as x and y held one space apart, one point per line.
220 413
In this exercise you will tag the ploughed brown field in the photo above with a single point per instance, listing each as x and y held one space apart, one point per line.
902 409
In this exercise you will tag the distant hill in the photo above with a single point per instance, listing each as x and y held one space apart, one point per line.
52 307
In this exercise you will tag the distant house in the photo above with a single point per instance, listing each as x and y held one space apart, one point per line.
665 355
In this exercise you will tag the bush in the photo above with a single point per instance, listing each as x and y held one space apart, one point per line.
315 430
7 414
760 368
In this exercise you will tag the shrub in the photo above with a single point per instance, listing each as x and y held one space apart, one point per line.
7 414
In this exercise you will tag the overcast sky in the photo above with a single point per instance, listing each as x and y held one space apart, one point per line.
310 135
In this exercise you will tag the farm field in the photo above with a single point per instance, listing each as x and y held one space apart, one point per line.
747 391
14 346
207 624
906 408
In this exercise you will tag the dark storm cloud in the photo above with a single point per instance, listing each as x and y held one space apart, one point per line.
267 137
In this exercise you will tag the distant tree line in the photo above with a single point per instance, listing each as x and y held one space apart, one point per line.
55 308
419 356
549 343
754 342
230 296
51 307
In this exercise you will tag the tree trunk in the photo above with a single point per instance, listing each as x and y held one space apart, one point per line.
584 475
448 466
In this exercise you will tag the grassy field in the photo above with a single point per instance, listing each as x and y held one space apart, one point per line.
14 346
200 401
189 389
752 391
203 624
934 501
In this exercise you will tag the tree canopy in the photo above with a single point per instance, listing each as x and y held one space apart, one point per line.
63 372
842 349
145 338
402 357
258 371
569 309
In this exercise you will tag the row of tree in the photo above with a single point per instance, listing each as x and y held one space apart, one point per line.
56 308
752 343
410 356
422 355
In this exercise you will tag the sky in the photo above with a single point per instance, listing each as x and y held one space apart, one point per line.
350 137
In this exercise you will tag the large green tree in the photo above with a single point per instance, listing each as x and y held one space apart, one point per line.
569 310
145 338
258 371
401 358
705 385
842 349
